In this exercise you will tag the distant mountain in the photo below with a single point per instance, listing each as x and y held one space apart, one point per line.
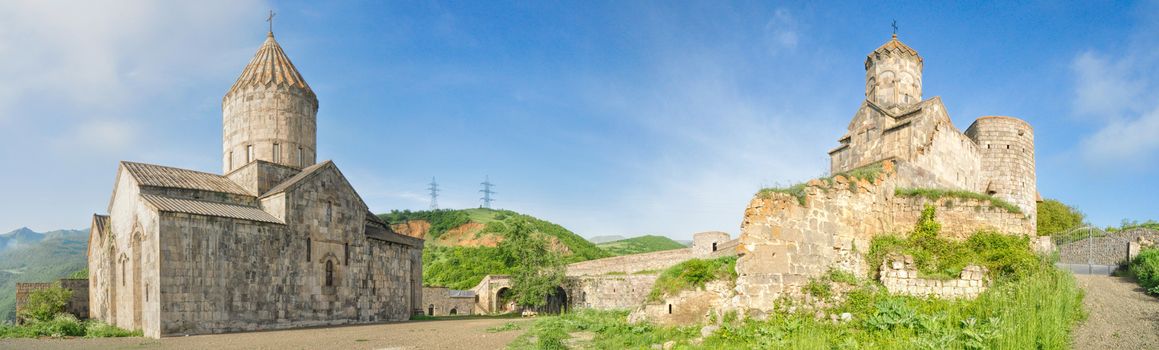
642 244
606 239
28 256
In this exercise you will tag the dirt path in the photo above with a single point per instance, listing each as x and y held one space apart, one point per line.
1120 315
441 334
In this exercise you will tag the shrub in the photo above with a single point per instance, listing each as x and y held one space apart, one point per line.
694 273
1145 267
65 325
45 304
1055 217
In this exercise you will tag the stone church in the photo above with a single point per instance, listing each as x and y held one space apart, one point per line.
278 240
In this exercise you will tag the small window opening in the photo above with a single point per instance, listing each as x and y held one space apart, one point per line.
301 157
714 246
249 153
329 212
1007 146
669 309
123 275
277 153
307 250
146 292
229 161
431 310
329 273
346 252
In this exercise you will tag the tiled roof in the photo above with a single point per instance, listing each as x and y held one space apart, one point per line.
189 206
894 45
294 180
163 176
270 67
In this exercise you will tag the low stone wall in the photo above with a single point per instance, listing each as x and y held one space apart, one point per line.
630 263
900 276
441 301
607 292
78 304
1109 249
784 243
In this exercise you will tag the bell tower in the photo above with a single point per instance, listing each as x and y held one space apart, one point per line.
269 114
893 75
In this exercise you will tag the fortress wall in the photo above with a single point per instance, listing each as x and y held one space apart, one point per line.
1008 168
630 263
608 292
784 243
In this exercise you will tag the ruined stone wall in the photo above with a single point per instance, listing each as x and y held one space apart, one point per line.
631 263
438 301
784 243
608 292
1008 171
900 276
264 117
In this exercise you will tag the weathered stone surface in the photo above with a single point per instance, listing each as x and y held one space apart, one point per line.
899 275
441 301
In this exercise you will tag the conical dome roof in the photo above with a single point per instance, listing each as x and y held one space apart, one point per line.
270 68
895 46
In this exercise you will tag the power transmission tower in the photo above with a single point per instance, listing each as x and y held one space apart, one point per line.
487 192
434 188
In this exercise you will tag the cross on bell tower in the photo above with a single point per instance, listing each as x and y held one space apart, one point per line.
271 20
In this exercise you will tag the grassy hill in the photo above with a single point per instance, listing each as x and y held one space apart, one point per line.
642 244
37 258
461 245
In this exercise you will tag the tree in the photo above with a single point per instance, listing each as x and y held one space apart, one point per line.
1055 217
536 270
44 304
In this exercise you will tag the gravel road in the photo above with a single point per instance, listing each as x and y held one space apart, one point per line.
1119 315
440 334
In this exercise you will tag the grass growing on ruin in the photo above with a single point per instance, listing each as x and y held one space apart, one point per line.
692 274
868 173
1034 311
1006 256
936 193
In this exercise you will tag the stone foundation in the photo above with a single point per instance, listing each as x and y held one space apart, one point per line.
900 276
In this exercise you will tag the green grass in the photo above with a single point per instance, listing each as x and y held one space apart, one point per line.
868 173
1036 311
691 274
637 245
935 194
509 326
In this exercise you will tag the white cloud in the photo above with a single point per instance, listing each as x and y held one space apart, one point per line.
97 136
1104 88
1115 92
1129 142
781 31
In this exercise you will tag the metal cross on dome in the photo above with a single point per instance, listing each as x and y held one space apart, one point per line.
894 27
271 20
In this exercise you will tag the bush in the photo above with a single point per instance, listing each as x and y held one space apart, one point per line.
1055 217
65 325
694 273
1006 256
1145 268
45 304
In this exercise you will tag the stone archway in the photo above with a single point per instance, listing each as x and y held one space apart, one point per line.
502 302
557 302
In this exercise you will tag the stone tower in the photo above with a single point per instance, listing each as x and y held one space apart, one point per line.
269 114
893 75
1006 145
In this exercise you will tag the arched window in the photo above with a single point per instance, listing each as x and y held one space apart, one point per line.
329 273
454 311
431 310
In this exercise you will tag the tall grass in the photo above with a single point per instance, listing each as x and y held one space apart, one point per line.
937 193
1145 268
691 274
868 173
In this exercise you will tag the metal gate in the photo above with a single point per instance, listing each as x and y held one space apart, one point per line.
1090 250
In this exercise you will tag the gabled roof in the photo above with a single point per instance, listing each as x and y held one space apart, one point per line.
270 67
189 206
293 181
169 177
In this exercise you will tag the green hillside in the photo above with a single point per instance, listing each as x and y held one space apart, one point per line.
39 258
642 244
461 245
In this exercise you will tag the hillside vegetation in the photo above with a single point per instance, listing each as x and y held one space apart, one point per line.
37 257
463 246
642 244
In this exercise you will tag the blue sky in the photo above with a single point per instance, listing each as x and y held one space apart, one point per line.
620 117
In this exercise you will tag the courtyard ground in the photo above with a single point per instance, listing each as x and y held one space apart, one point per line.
435 334
1119 315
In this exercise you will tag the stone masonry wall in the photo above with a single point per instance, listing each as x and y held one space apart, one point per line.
437 301
78 303
630 263
900 276
784 243
608 292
